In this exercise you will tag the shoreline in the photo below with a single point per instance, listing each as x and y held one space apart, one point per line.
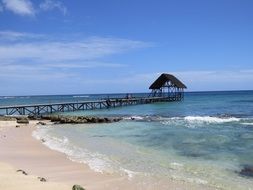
21 151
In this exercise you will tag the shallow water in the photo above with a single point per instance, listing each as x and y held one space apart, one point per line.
206 139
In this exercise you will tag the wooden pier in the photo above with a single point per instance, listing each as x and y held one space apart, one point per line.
174 87
39 109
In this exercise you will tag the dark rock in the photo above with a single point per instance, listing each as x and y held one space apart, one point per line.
247 171
7 118
43 140
46 117
84 120
116 119
17 126
22 171
41 123
89 119
81 121
101 120
32 117
94 120
107 119
80 117
55 118
23 120
63 119
42 179
77 187
78 121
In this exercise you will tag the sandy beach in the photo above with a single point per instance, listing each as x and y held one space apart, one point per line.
126 95
19 150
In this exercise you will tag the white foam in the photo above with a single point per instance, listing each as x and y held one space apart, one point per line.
74 153
175 165
97 162
209 119
9 97
81 96
198 121
247 123
135 117
129 173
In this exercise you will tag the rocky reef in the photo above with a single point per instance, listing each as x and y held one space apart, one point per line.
247 171
62 119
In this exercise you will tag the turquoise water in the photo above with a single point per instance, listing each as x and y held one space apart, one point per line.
206 139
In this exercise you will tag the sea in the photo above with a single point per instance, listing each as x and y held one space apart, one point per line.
205 139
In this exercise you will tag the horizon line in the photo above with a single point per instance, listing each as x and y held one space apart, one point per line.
197 91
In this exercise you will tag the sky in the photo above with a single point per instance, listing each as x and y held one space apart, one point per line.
120 46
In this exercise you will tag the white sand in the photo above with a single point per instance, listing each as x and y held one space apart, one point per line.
19 150
12 180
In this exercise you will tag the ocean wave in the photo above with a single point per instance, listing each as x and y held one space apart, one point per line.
144 118
247 123
187 119
203 121
8 97
81 96
96 161
134 117
210 119
13 97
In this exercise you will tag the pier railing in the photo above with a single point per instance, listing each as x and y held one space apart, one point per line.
39 109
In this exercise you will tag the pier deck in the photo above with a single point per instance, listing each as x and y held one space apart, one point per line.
39 109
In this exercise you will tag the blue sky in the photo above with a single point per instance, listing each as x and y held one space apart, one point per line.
91 46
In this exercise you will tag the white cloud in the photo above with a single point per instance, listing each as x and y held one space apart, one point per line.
24 71
9 35
17 36
55 51
31 56
21 7
49 5
25 55
26 7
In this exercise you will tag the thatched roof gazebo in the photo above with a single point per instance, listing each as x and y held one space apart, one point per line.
167 85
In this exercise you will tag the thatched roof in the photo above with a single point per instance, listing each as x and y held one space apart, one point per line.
165 78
